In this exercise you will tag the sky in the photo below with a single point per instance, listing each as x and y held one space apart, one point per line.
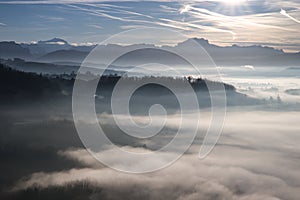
272 23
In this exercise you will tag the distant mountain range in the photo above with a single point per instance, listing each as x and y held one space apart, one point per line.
42 48
50 49
58 50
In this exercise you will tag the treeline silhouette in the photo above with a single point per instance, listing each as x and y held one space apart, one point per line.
24 88
198 84
80 190
16 84
25 85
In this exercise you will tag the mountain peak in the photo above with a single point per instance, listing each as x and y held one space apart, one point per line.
201 41
58 41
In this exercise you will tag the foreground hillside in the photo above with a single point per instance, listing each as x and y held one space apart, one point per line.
22 87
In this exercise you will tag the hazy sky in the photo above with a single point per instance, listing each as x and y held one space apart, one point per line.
223 22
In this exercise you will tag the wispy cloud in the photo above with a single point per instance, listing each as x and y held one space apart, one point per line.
120 10
51 18
132 26
96 26
198 26
259 26
249 67
89 1
284 13
100 13
252 22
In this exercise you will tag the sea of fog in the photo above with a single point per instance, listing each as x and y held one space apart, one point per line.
255 81
256 157
265 82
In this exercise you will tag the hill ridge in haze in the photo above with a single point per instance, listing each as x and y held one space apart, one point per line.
59 50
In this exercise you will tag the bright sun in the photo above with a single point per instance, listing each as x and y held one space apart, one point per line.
233 2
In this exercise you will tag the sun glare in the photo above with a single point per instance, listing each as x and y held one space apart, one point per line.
233 2
232 7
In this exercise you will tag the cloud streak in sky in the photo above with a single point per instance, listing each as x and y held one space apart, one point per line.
284 13
252 22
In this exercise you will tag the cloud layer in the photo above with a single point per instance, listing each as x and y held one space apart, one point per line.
257 158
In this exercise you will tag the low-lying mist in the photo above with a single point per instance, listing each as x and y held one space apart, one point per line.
255 158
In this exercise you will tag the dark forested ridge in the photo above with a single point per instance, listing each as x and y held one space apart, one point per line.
14 82
23 87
